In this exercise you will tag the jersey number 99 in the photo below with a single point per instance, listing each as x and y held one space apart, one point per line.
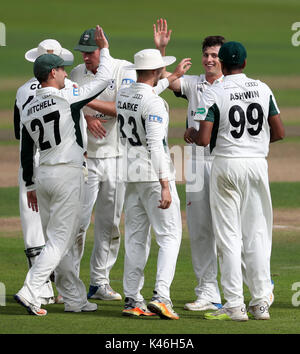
254 115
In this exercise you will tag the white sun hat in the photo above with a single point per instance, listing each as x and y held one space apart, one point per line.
49 46
150 59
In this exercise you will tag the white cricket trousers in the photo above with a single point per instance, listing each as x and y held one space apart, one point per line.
142 212
106 190
59 192
30 220
202 238
32 230
242 215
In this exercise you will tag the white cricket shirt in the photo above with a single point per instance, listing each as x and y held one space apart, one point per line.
51 122
143 120
192 87
239 107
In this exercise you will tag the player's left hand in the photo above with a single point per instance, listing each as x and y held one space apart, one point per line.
188 135
182 68
32 201
95 126
161 33
166 198
100 38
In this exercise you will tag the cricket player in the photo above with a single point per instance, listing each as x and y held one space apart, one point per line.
104 189
151 197
239 117
51 123
202 238
34 239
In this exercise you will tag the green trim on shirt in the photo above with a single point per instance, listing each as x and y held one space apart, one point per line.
213 115
75 112
27 157
272 108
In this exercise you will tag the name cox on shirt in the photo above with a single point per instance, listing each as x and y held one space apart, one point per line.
40 106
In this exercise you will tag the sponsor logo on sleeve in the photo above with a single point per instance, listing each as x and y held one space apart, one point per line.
201 111
155 119
126 81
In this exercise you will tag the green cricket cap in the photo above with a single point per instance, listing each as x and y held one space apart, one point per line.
87 41
232 53
46 62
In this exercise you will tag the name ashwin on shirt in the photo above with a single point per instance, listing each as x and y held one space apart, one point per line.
244 95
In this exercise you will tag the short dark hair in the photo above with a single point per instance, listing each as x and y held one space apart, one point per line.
43 77
212 41
231 67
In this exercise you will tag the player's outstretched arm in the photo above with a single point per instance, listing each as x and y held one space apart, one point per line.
105 107
179 71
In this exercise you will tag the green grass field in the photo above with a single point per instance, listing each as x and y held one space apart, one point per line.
264 27
284 265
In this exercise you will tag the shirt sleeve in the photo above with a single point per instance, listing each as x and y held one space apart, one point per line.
206 109
81 95
17 121
161 86
273 108
27 159
156 117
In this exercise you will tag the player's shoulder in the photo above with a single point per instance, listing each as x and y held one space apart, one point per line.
257 84
121 71
77 71
121 63
124 91
31 84
263 85
151 99
69 83
193 79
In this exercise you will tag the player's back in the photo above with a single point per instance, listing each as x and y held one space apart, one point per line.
241 113
143 124
48 120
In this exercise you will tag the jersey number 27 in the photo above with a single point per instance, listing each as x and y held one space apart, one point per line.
36 123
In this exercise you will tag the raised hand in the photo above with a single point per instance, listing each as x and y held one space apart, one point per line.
182 67
100 38
161 34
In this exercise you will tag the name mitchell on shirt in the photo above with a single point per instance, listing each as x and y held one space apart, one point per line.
40 106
